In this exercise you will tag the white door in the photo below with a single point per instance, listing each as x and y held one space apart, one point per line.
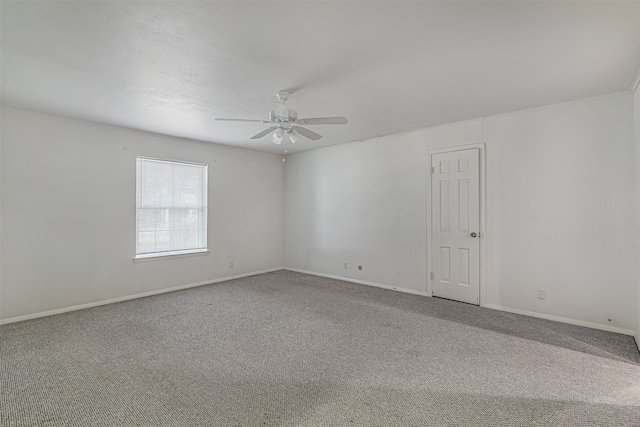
455 207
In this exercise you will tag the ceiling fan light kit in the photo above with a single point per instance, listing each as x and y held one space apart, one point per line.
278 136
285 122
294 136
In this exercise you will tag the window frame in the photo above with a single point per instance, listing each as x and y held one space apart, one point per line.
172 254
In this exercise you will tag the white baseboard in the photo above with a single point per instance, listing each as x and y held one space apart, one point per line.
360 282
130 297
562 319
490 306
623 331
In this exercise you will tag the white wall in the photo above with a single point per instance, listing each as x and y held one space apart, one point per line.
560 211
68 213
560 183
560 186
362 204
637 212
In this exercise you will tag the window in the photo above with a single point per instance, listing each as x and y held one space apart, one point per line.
171 208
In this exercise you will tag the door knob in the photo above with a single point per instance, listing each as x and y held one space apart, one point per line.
474 234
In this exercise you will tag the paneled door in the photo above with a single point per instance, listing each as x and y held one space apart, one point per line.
455 207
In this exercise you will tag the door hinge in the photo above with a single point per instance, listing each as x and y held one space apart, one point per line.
433 170
432 276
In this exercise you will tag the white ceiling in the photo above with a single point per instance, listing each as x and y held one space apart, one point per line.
389 67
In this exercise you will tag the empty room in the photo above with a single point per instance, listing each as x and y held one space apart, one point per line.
319 213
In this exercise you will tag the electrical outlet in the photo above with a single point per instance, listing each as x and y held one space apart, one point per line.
346 266
230 264
541 294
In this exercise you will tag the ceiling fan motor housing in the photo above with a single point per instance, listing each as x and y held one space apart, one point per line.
283 95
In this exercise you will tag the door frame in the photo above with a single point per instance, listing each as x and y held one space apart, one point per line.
483 207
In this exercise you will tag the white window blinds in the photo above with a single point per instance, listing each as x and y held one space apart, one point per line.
171 208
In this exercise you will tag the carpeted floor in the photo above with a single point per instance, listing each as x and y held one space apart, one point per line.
288 349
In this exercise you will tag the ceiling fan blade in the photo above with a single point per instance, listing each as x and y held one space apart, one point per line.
264 132
323 121
307 133
243 120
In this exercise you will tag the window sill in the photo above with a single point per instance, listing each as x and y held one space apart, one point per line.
156 257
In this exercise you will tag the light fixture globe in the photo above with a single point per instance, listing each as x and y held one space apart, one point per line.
294 136
277 136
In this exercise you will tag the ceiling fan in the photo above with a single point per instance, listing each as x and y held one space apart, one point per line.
285 122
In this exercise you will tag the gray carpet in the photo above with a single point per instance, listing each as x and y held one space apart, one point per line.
288 349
